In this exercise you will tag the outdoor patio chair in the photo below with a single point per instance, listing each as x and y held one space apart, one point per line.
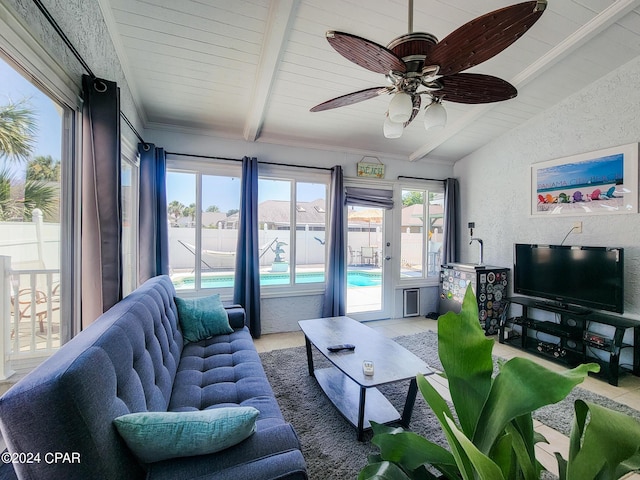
354 256
368 255
25 301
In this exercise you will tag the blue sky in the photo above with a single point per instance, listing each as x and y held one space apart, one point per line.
13 88
224 192
599 170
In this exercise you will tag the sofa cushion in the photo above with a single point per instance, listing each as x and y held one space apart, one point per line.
202 317
156 436
224 371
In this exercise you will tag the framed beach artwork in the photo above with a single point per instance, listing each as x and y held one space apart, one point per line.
596 183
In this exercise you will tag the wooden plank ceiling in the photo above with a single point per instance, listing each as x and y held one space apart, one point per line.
252 69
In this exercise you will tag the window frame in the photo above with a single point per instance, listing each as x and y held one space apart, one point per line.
19 50
186 164
199 169
426 187
295 176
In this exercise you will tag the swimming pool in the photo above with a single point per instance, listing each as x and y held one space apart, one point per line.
225 280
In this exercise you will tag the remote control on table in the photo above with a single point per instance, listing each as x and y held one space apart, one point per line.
342 346
367 367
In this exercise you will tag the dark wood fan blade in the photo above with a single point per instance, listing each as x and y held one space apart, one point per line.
475 88
484 37
416 108
350 98
365 53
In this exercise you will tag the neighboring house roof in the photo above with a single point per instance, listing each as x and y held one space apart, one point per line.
278 212
412 215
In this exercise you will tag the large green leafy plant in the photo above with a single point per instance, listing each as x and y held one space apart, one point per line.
491 435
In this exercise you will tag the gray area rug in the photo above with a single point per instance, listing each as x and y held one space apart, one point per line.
329 442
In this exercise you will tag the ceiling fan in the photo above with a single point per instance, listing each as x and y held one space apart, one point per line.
416 64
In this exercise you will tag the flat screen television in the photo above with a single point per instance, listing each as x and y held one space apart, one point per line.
589 277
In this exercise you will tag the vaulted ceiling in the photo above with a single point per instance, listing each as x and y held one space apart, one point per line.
252 69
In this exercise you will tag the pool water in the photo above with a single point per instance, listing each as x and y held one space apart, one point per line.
354 279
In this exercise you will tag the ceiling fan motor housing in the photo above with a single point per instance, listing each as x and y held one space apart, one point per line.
413 49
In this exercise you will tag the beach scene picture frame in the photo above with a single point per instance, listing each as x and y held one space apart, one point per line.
604 182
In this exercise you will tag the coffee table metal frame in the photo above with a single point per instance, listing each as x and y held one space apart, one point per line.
345 381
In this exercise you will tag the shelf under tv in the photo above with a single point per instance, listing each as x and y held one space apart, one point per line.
573 340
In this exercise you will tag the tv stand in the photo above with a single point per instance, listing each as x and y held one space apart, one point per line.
573 338
559 307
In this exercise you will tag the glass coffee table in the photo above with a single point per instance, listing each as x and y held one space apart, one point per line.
352 392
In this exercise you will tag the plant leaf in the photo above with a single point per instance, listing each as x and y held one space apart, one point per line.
609 438
465 354
379 428
502 454
382 471
410 450
441 410
525 461
483 465
562 466
520 387
434 399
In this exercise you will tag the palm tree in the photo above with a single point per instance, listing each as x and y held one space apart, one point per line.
17 137
8 207
190 211
18 201
43 168
17 131
40 195
174 209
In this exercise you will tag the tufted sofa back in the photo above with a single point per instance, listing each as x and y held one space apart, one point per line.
126 361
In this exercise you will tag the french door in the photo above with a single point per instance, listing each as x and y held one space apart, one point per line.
368 263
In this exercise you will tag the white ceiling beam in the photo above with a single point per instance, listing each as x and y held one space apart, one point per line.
281 18
577 39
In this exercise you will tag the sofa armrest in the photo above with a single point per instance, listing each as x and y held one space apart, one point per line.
270 453
236 316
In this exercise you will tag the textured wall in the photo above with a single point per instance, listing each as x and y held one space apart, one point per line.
83 23
282 314
494 181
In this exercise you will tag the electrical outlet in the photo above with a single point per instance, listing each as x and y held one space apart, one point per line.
577 227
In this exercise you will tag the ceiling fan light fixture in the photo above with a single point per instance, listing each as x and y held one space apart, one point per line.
400 107
435 115
392 129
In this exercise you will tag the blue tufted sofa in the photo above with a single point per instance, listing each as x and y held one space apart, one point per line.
133 359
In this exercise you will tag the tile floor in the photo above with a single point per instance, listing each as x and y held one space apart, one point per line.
628 391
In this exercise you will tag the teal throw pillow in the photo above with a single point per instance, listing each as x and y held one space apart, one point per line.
202 318
156 436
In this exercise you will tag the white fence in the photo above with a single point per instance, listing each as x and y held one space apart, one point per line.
310 247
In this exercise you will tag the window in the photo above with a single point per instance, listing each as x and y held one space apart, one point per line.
35 215
293 225
421 233
203 204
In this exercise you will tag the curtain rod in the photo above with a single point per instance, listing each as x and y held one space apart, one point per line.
422 178
79 57
213 157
